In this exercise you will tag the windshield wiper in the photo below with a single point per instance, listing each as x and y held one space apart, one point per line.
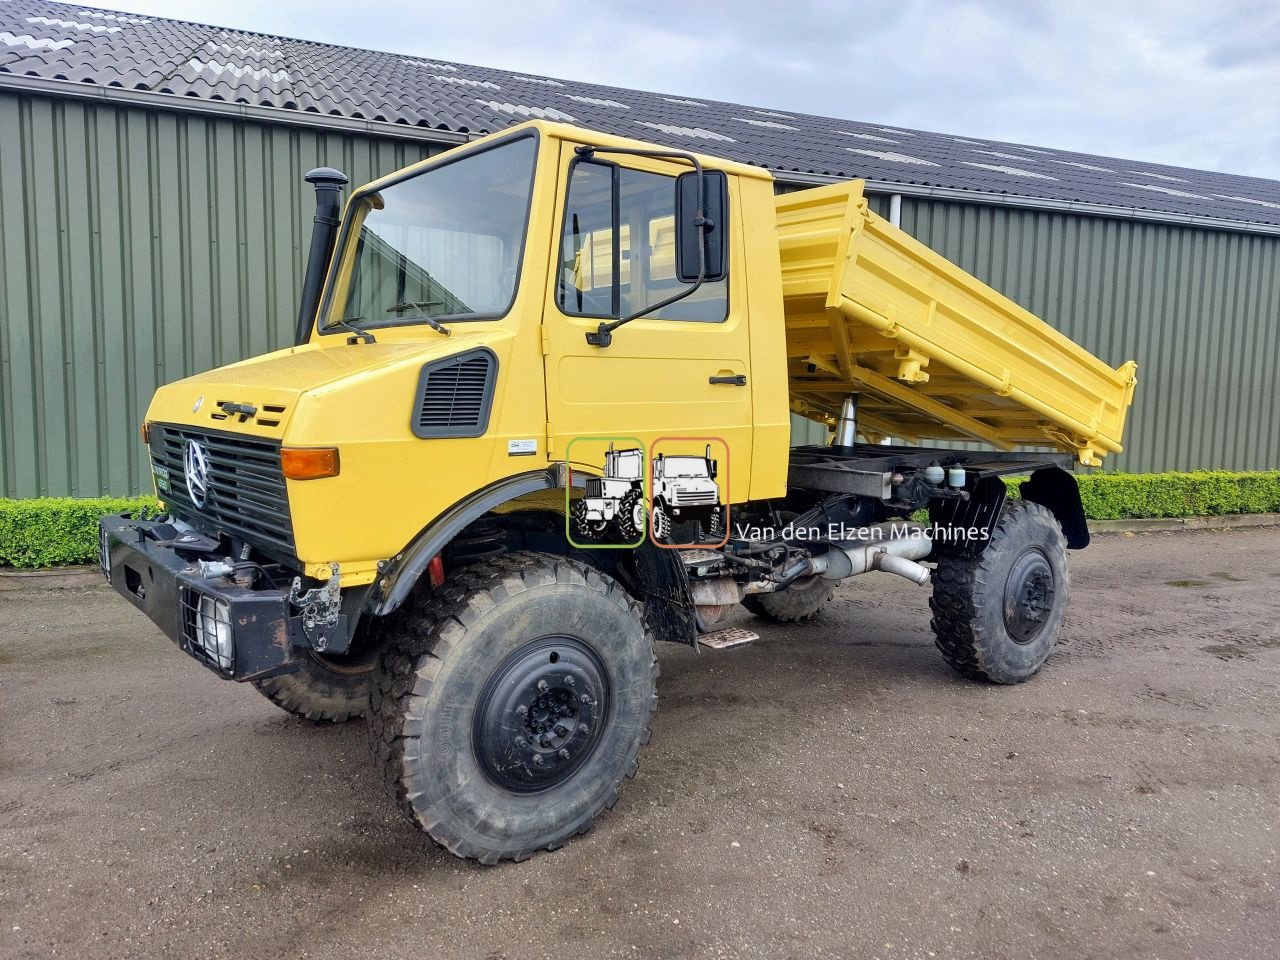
421 306
348 323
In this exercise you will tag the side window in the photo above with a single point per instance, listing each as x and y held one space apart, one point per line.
617 251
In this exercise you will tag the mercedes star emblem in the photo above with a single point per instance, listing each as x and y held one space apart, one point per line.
196 461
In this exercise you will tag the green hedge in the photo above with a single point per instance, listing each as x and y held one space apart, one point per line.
55 531
1204 493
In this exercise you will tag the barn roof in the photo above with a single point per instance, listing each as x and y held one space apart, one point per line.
74 49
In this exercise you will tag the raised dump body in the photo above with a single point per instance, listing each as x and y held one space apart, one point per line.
932 352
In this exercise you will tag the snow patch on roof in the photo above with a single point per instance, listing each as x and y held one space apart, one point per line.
901 133
238 51
116 17
1261 203
520 110
596 101
33 43
542 80
430 65
773 113
1009 171
1158 176
1165 190
687 103
865 136
679 131
895 157
73 25
765 123
1083 166
235 70
1004 156
464 82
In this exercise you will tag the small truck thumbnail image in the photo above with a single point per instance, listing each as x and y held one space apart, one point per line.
613 507
685 490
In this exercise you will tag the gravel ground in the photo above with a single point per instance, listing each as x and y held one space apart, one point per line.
827 791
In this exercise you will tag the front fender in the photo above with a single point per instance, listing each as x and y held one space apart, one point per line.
398 579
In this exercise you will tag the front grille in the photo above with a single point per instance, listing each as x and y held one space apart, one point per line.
246 498
689 497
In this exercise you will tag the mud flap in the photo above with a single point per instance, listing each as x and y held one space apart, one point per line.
1056 489
668 604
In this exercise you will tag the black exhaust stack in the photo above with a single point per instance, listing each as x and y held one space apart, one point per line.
328 183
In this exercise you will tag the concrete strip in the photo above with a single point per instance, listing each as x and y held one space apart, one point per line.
1230 521
55 578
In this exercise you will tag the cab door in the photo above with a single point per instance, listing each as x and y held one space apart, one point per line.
683 371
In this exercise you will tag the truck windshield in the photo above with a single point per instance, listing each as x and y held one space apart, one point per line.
444 244
676 467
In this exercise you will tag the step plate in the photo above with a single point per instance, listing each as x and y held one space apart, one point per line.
726 638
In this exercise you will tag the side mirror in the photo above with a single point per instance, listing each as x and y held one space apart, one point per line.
712 468
709 235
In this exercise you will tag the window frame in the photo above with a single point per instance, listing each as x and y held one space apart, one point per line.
344 247
616 229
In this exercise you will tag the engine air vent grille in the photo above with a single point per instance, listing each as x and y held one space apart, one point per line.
455 395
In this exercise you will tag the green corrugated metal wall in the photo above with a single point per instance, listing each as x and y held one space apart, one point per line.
1198 309
140 246
137 247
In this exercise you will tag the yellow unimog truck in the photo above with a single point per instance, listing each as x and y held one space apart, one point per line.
376 521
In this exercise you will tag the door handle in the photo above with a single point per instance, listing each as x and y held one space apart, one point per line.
737 380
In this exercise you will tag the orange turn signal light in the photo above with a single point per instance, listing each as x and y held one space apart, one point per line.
309 463
146 431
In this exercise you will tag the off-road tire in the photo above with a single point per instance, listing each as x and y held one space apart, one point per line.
801 601
624 527
978 604
713 526
660 522
429 705
325 689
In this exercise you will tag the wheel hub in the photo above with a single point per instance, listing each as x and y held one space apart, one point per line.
541 713
1029 596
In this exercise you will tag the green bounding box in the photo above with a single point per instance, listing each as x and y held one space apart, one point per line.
58 531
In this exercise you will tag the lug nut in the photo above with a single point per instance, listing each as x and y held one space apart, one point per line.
546 743
563 754
561 730
585 699
542 686
583 728
568 679
522 711
519 741
537 760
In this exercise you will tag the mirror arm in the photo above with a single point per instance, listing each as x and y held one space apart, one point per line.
603 334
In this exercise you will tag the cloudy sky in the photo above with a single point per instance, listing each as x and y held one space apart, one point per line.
1183 82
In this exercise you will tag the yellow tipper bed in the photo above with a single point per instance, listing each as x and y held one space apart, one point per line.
932 352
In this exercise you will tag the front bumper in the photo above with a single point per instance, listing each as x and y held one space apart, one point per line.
239 633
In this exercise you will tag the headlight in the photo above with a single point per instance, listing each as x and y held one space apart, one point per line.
213 630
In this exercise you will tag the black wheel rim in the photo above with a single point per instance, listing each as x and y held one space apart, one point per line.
1029 596
541 714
